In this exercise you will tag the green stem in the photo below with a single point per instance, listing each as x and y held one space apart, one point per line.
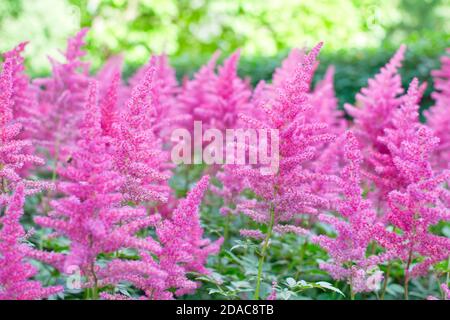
263 252
226 230
407 275
352 294
388 272
302 257
95 287
448 270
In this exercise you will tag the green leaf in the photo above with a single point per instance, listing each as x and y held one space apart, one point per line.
329 286
291 282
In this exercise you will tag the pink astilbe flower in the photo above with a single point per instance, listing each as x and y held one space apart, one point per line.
14 151
109 105
112 92
438 117
321 113
195 93
419 200
355 226
108 71
232 187
284 195
15 271
164 90
216 99
183 250
287 68
376 103
325 108
91 214
287 193
24 95
138 153
62 98
24 102
230 97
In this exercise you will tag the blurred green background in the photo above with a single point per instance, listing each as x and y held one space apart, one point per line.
359 35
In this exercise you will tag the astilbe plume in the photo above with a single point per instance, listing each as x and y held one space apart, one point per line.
61 100
164 91
216 99
184 250
232 184
420 199
438 115
230 96
355 225
376 103
112 92
24 95
15 271
374 113
195 93
24 102
91 214
108 71
405 130
325 108
287 193
14 151
287 69
109 105
322 97
137 151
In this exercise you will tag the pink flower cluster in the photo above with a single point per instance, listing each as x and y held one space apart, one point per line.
380 180
110 171
15 271
356 226
437 117
381 194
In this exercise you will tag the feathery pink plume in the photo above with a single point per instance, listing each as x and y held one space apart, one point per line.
418 199
137 151
91 214
355 226
377 102
15 152
15 271
438 116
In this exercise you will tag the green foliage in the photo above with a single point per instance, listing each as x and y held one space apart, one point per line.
353 66
191 30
